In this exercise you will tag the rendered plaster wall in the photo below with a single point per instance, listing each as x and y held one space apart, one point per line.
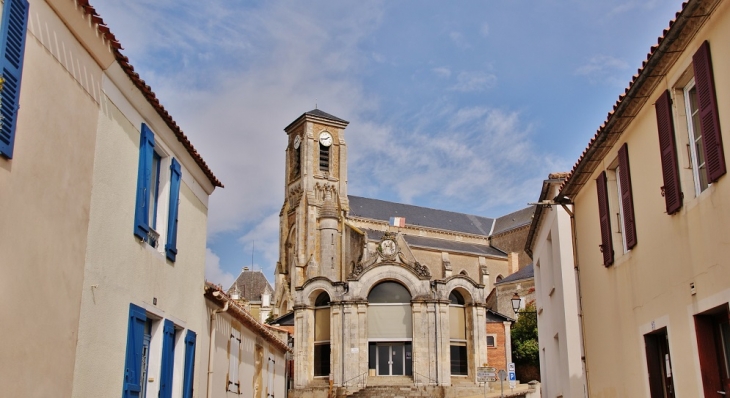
45 192
253 356
122 270
559 331
649 287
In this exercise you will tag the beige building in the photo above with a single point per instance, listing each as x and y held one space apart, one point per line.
651 208
382 292
104 210
246 358
550 242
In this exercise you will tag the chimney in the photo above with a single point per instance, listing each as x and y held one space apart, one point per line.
513 262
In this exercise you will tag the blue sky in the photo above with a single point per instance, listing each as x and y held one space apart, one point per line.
464 106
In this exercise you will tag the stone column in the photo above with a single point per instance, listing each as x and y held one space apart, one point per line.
423 342
478 337
303 346
443 356
337 340
508 342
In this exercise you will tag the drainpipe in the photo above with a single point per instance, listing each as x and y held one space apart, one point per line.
574 241
211 350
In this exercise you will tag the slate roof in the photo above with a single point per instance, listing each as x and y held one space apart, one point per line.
284 320
441 244
320 114
514 220
420 216
116 47
525 272
251 285
494 316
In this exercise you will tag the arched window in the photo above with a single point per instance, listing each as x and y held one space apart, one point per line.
457 334
324 158
390 330
499 278
322 335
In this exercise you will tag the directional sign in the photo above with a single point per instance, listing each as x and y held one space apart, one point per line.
486 374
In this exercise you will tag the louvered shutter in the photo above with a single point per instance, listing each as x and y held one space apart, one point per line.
12 49
133 360
709 115
168 356
671 190
171 246
189 364
627 197
605 219
144 173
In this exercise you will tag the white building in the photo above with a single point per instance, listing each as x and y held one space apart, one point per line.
550 243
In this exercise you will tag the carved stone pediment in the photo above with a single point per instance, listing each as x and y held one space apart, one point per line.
393 250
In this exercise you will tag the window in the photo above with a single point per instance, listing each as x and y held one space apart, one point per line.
234 347
492 340
322 335
295 156
457 334
13 30
625 207
324 158
713 348
697 155
147 336
148 207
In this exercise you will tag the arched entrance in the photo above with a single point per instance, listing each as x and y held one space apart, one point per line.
390 330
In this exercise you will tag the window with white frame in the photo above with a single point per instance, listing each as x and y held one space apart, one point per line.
694 129
150 351
492 340
153 181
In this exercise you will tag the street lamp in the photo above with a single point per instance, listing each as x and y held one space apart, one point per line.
516 301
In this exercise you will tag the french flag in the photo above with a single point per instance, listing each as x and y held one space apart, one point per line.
398 221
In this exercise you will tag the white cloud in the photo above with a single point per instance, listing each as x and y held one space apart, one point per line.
264 238
483 159
442 71
604 69
484 30
459 39
474 81
213 271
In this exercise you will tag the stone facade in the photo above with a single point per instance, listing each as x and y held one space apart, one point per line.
337 251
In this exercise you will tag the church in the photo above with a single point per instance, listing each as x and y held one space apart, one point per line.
382 290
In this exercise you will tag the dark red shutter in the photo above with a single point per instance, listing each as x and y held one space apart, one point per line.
707 351
671 190
605 219
709 115
627 197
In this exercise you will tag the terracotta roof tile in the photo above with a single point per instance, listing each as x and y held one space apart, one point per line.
145 89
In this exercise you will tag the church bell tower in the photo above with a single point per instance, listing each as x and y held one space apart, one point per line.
315 202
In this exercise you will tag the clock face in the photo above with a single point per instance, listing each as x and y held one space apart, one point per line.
388 247
297 141
325 139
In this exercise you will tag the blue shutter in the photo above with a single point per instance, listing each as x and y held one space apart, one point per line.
133 361
168 355
175 174
189 364
12 49
144 173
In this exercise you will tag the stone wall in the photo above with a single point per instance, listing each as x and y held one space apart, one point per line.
513 241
